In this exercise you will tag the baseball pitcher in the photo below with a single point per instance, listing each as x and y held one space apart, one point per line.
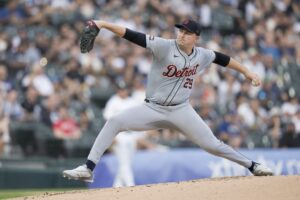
176 63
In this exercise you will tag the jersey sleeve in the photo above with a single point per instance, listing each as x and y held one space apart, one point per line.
208 56
158 46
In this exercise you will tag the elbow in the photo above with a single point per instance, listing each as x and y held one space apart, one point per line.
222 59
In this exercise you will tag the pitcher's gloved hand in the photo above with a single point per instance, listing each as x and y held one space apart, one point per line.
88 36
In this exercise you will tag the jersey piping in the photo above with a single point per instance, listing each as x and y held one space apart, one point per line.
178 79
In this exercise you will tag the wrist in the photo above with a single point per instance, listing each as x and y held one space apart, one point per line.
99 23
247 74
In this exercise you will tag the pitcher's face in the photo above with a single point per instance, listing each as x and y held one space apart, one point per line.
186 38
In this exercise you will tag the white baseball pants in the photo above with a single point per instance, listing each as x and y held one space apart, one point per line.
149 116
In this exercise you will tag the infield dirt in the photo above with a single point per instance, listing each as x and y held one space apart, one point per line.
230 188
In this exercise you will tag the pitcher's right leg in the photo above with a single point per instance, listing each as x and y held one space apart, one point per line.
138 118
135 119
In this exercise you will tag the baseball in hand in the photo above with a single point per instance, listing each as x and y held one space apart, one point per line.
255 82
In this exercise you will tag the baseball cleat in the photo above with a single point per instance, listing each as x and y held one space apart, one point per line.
81 173
260 170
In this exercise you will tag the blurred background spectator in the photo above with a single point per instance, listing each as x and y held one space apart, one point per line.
126 143
42 69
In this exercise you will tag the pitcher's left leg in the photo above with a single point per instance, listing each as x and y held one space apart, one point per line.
191 124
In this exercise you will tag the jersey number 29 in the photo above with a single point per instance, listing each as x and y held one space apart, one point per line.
188 83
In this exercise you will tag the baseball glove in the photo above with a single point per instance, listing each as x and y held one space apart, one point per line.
88 36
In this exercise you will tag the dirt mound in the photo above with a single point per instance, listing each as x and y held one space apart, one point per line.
231 188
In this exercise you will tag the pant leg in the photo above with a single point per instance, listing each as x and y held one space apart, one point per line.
138 118
191 124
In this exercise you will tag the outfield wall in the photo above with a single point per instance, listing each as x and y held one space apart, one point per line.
187 164
149 167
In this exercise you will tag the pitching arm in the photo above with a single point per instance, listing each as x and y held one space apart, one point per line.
226 61
116 29
254 78
130 35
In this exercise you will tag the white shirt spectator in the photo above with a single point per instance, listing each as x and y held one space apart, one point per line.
296 121
244 110
116 105
226 92
39 80
290 107
144 65
205 15
125 142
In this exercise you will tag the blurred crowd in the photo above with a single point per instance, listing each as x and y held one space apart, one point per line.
52 96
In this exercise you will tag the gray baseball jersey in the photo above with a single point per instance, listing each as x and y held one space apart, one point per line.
170 80
169 86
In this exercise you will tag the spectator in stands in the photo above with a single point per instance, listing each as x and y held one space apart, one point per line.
275 127
231 129
73 71
125 143
87 126
269 95
260 116
17 59
209 115
228 89
262 34
39 80
4 128
245 112
5 84
289 137
296 121
138 90
49 110
4 135
290 107
12 107
269 47
88 129
66 127
31 105
244 90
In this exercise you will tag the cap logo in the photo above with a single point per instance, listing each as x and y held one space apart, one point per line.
185 22
190 25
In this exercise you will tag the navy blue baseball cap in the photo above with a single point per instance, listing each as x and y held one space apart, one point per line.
190 25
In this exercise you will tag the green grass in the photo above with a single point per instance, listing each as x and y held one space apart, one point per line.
13 193
6 194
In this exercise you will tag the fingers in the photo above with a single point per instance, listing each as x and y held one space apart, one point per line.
254 78
92 24
256 81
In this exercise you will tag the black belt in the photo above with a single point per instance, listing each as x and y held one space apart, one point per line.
147 101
